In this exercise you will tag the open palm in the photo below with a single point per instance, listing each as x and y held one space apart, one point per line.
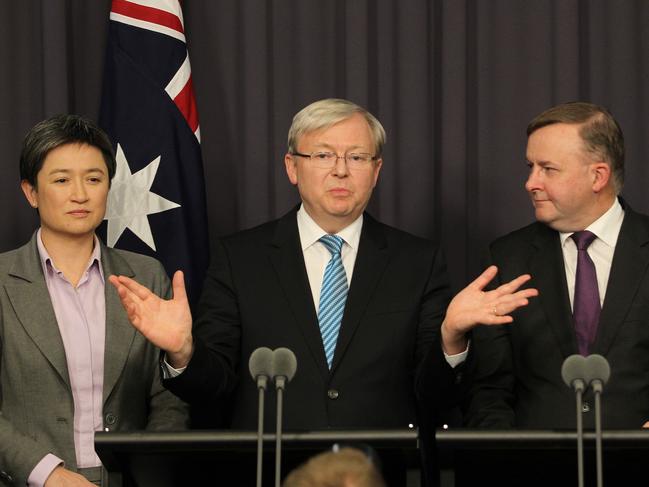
167 323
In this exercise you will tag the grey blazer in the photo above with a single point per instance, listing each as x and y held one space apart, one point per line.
36 406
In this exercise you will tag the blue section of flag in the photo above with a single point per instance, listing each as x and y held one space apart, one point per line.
137 113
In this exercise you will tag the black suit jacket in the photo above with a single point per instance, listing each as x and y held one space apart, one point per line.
388 354
518 367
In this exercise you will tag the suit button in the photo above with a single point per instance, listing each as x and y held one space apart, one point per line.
110 418
6 476
332 394
585 407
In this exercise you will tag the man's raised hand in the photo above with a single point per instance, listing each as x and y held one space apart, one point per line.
165 323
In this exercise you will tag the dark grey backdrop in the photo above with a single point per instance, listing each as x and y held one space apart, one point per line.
454 82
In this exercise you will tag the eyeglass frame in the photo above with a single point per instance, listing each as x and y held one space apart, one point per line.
345 157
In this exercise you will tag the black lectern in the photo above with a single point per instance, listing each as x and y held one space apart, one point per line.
539 458
215 458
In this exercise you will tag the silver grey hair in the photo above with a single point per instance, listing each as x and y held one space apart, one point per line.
323 114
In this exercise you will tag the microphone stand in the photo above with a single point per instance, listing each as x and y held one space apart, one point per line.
262 381
579 387
597 389
280 384
599 372
260 363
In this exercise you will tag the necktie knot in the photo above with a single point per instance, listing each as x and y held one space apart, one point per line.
334 243
583 239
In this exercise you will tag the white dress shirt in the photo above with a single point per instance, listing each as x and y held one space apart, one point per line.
607 228
316 255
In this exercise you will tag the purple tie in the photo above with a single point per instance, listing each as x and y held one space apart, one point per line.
586 307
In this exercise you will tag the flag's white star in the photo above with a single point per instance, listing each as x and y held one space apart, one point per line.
130 201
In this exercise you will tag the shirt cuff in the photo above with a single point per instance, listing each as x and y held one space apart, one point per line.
168 372
458 358
43 470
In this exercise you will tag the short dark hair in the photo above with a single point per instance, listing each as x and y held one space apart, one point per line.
601 133
61 130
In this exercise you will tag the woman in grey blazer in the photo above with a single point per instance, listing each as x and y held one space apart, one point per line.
70 362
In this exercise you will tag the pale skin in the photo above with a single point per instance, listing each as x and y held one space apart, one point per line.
334 198
62 477
337 196
70 194
569 187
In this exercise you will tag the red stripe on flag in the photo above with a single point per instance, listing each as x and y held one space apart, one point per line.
148 14
186 103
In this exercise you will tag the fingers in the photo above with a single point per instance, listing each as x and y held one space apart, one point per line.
485 278
129 300
132 286
504 308
511 286
178 286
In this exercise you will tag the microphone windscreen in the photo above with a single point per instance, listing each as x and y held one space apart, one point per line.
597 367
284 363
261 362
574 367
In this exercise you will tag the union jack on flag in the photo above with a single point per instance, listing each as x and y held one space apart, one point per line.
156 204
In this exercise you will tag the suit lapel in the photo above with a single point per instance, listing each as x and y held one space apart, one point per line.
31 302
548 271
371 261
119 331
287 259
628 268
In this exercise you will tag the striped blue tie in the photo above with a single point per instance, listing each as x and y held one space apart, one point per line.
332 296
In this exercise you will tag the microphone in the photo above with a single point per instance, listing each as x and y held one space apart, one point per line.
597 373
284 366
260 366
573 372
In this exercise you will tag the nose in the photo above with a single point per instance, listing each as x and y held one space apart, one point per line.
533 182
79 191
340 169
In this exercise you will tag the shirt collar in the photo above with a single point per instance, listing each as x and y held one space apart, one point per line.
310 231
606 227
48 263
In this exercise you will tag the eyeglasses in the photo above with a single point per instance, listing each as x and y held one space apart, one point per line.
327 160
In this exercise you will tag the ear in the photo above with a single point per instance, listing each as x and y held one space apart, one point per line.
291 168
30 193
378 164
601 172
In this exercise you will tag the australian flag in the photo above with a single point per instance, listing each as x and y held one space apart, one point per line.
156 204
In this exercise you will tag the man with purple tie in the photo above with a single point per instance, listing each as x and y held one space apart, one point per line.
588 255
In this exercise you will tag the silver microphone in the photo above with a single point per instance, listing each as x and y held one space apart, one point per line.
284 367
573 372
597 373
260 365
